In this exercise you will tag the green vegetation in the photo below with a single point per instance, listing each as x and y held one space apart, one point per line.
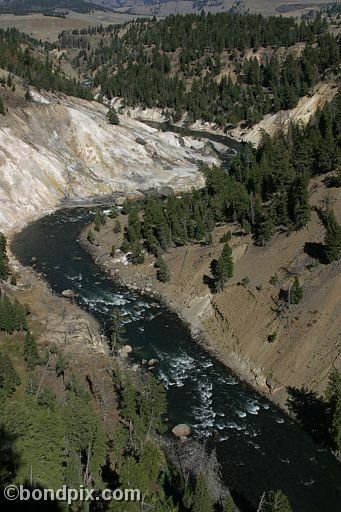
28 96
2 107
202 501
295 292
332 238
12 315
117 330
333 399
117 227
222 269
267 187
90 236
163 273
28 58
9 379
4 269
31 355
174 63
277 501
112 116
99 220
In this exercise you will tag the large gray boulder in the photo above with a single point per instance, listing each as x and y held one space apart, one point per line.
182 430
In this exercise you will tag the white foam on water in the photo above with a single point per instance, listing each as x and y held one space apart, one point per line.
165 379
230 381
252 407
241 414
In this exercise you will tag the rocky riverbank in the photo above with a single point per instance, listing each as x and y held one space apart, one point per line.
193 310
269 347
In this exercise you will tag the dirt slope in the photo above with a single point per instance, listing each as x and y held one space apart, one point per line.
236 323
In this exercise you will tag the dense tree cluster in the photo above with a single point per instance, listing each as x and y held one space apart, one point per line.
221 31
17 56
265 190
12 315
174 63
58 443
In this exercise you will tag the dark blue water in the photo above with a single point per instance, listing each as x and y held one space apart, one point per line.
259 447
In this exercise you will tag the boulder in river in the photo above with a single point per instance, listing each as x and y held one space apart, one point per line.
153 362
182 430
69 294
125 351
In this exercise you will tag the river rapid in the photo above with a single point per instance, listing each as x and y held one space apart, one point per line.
259 446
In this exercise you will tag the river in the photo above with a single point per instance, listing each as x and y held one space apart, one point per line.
259 447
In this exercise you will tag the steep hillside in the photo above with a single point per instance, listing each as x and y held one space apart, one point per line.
237 324
62 148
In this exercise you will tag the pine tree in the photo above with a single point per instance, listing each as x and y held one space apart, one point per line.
61 364
333 399
117 227
117 330
163 273
4 269
99 220
137 254
31 351
2 107
222 269
278 502
332 238
264 229
296 292
9 379
202 500
90 236
229 505
112 116
28 96
298 202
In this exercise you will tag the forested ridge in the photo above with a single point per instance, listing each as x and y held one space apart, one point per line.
266 190
223 68
28 58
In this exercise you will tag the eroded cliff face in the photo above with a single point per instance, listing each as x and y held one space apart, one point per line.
61 148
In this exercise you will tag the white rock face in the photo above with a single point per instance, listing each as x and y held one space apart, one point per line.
58 149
